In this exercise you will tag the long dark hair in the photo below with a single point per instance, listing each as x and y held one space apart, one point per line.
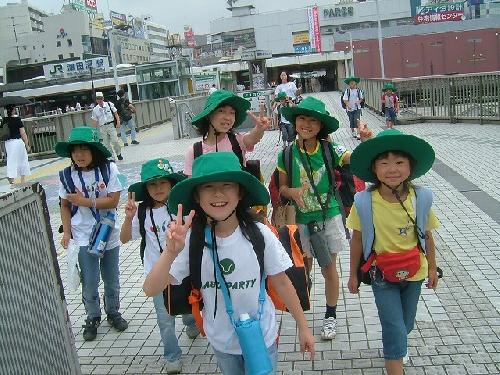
407 183
98 158
148 201
279 81
10 110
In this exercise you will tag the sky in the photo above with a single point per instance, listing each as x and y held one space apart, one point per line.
176 13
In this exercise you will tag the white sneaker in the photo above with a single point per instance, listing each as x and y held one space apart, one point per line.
406 358
329 329
173 367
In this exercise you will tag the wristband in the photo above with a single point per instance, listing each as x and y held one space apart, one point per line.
93 203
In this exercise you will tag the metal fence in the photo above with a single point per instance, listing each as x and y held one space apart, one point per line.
44 132
35 331
460 98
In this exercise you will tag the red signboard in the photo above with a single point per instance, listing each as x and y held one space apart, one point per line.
91 4
440 17
317 35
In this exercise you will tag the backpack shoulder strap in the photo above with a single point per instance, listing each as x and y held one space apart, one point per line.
105 172
287 162
236 146
197 149
68 185
363 202
327 153
141 216
424 198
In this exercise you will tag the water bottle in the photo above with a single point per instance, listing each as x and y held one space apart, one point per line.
100 235
252 345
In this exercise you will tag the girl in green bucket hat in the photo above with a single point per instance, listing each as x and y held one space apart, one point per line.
224 111
89 190
149 222
392 223
214 242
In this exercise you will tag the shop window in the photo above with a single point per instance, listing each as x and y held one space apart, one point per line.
70 42
59 43
61 57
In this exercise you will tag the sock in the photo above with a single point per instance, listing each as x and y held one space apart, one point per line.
331 312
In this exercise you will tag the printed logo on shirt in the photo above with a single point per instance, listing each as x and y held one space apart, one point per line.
227 266
245 284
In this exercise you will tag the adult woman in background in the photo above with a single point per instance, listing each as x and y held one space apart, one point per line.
286 85
16 146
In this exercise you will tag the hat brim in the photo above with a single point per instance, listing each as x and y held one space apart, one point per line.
331 123
363 155
62 148
256 194
139 188
238 103
349 79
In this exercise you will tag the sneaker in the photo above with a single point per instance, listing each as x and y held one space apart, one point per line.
117 322
125 144
90 328
406 358
134 142
329 330
173 367
120 157
192 331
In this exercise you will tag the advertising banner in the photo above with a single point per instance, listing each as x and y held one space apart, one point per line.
440 13
75 68
117 19
189 37
314 31
203 82
300 37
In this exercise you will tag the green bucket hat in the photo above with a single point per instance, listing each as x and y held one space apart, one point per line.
81 135
219 98
217 167
389 86
351 78
312 107
391 140
153 170
281 95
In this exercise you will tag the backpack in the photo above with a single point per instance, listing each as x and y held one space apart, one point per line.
344 182
363 201
69 185
288 236
124 111
4 131
348 91
173 295
252 166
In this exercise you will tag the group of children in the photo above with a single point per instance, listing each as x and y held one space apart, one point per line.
199 224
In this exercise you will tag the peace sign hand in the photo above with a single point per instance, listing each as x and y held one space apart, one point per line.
262 123
177 231
130 206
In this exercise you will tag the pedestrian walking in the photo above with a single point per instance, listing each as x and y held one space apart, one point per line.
392 223
215 240
126 112
353 101
150 221
16 146
103 118
89 192
390 104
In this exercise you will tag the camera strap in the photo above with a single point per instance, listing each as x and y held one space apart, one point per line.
308 167
155 228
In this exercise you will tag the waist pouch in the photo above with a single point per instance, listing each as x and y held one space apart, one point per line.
396 267
253 347
319 245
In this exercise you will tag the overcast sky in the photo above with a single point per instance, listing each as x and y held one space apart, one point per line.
176 13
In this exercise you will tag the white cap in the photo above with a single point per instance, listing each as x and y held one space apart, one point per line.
99 94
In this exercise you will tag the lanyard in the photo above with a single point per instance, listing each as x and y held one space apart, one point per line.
95 212
155 230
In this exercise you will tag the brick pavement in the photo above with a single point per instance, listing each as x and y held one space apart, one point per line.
457 328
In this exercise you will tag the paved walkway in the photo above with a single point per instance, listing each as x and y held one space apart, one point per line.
457 327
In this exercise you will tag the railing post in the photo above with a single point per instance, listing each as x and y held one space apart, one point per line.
451 102
481 99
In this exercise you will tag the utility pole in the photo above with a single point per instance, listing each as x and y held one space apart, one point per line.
380 44
113 58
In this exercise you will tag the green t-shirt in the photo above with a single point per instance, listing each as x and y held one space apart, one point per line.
312 210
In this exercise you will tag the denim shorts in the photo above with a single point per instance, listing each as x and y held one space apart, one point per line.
390 114
334 233
397 307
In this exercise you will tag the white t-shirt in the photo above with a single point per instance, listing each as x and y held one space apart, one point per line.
354 96
103 114
152 250
288 88
242 273
83 221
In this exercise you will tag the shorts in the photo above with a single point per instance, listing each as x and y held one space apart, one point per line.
334 233
390 114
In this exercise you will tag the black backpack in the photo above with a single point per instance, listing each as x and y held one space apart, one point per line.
360 93
4 131
252 166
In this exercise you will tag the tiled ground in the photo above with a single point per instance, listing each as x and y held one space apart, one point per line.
457 328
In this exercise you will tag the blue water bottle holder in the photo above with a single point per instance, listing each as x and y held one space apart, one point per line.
248 330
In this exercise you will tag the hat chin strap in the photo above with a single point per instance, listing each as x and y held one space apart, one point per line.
216 133
394 190
214 222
